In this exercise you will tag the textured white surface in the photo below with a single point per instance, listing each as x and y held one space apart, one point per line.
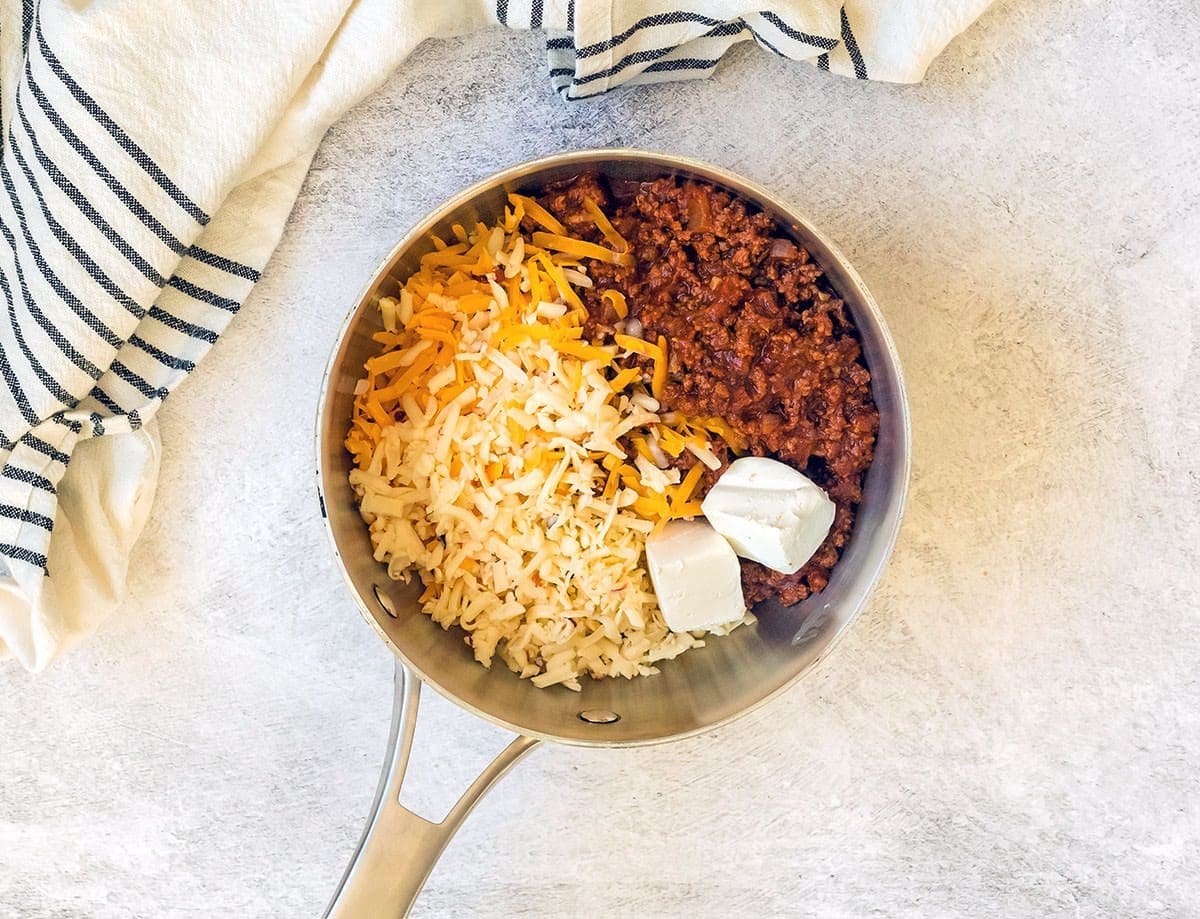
1013 726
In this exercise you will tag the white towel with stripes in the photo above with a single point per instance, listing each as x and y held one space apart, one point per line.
151 154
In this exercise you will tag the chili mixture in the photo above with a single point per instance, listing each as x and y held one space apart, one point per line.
756 336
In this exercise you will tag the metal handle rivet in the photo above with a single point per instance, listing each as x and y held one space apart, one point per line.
384 600
598 716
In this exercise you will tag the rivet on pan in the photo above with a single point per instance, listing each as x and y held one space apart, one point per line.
598 716
384 600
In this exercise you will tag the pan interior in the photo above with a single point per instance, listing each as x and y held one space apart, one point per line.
705 686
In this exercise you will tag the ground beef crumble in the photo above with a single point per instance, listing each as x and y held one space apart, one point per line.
755 335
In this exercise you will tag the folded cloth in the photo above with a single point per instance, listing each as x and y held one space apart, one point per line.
151 156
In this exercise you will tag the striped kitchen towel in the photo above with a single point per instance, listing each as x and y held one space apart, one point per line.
150 156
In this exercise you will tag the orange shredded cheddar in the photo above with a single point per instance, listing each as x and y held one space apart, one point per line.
512 287
423 362
615 239
513 216
610 486
449 255
683 494
448 393
659 379
434 318
390 339
671 441
376 411
626 377
581 248
560 282
616 300
537 289
516 433
583 352
438 334
393 359
484 265
639 346
474 303
537 212
724 430
651 506
514 333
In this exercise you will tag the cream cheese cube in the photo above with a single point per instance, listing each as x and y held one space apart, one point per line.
769 512
696 576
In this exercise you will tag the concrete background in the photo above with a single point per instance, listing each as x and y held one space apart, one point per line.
1011 728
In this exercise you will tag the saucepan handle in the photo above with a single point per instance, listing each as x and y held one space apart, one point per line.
398 848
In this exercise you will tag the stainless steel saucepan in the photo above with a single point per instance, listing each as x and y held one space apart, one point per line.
704 688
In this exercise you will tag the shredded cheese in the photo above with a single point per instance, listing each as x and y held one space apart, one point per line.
581 248
617 300
659 380
487 439
538 213
604 225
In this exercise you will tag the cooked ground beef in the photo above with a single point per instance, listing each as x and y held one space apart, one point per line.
755 336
